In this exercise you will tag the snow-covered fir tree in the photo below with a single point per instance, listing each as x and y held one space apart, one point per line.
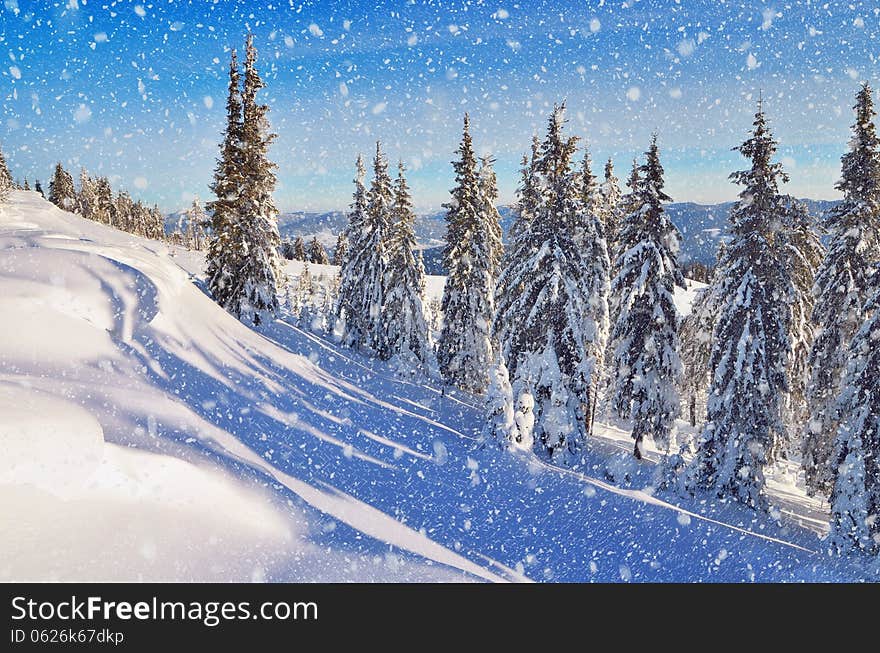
140 218
361 293
404 314
104 210
286 249
374 245
259 273
62 192
798 244
646 364
87 197
488 187
471 259
6 183
529 193
855 459
590 201
551 322
191 226
350 310
610 206
317 253
631 201
299 249
125 212
750 348
225 243
196 221
339 251
841 288
27 185
500 427
625 237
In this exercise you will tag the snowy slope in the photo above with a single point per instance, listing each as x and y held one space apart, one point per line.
192 447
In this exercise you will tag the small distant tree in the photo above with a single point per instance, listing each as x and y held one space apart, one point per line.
61 190
299 249
317 254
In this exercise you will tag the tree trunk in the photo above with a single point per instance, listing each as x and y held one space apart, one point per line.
693 409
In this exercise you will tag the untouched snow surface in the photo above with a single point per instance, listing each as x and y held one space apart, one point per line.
148 435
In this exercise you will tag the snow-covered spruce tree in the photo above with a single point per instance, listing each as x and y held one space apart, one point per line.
225 243
340 250
27 185
374 251
317 253
124 211
140 217
841 288
488 187
500 427
155 224
471 258
625 238
6 183
361 293
196 221
299 249
749 358
589 196
61 190
631 201
610 206
286 249
855 495
646 364
104 210
259 273
350 311
529 195
798 245
551 322
87 198
404 315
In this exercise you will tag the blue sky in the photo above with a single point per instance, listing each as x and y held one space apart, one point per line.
136 90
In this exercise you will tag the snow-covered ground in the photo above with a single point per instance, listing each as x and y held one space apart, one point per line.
148 435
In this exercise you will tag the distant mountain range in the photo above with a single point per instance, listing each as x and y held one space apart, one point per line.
702 227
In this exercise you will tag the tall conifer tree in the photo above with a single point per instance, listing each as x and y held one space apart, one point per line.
471 258
406 329
750 350
646 363
841 288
